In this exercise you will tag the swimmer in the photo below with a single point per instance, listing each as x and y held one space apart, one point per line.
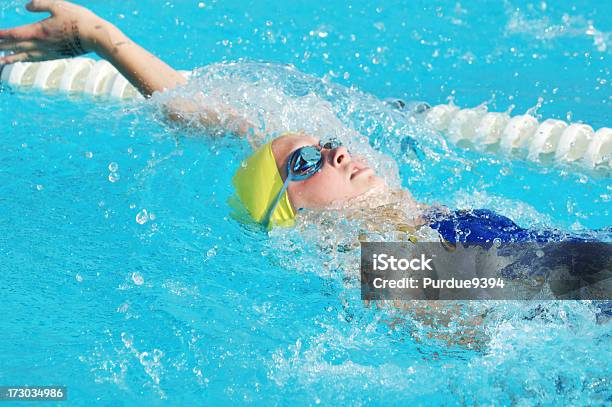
72 30
293 172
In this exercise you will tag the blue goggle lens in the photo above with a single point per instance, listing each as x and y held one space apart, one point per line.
330 143
306 161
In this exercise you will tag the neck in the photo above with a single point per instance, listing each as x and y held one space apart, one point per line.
384 205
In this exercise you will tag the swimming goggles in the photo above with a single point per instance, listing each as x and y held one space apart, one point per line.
303 163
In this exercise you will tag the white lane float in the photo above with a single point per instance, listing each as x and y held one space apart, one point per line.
76 75
522 134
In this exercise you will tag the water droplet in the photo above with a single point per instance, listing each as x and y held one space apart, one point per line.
142 217
79 278
39 187
380 26
114 177
137 278
113 167
127 339
89 154
539 253
211 252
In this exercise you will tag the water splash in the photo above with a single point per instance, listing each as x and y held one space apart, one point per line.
545 28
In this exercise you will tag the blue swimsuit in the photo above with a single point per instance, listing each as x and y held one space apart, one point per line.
482 226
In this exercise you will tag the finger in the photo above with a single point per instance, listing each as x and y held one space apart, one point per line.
38 6
6 45
17 46
11 59
25 32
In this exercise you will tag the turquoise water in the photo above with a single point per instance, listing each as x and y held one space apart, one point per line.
125 277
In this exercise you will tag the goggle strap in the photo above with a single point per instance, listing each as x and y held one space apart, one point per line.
277 200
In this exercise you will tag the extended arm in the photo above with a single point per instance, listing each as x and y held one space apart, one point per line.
73 30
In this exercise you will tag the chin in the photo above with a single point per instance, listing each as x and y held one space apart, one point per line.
376 181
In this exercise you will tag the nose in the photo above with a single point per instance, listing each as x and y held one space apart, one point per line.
339 155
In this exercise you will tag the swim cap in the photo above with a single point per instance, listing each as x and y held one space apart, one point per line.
258 183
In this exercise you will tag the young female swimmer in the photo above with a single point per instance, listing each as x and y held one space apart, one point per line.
291 172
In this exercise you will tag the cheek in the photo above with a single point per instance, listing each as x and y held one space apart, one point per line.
320 191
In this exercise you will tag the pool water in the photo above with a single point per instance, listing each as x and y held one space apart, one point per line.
126 277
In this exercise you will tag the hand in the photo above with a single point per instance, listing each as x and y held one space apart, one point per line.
69 32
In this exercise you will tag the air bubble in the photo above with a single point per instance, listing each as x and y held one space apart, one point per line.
137 278
142 217
114 177
113 167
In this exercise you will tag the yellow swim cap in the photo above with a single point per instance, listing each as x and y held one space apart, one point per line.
258 183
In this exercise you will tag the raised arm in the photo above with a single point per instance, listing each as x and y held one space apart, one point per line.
72 30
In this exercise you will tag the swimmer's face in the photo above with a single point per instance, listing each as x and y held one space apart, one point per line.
341 177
